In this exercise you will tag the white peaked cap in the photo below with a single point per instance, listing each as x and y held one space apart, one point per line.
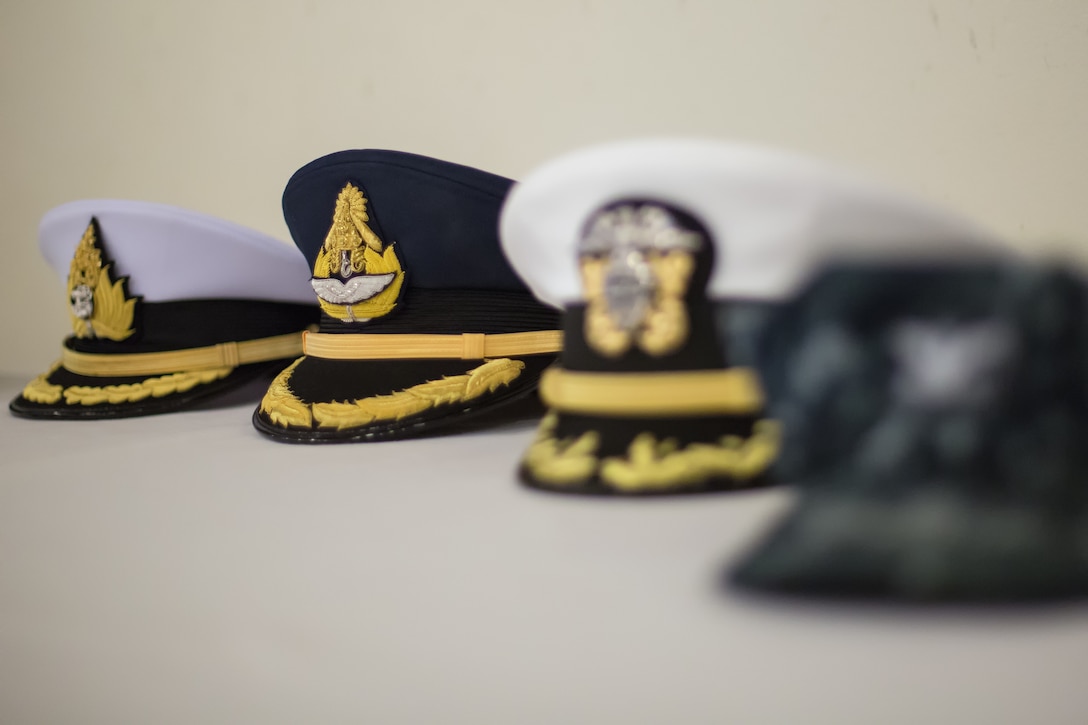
774 216
174 254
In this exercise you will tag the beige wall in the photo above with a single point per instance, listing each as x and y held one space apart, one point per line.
213 104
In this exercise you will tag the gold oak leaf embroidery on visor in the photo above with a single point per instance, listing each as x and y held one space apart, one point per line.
39 390
356 276
285 409
650 464
98 305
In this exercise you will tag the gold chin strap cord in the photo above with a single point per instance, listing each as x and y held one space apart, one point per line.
468 346
226 354
732 391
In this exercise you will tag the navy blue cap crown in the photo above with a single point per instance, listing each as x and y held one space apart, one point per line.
443 217
993 347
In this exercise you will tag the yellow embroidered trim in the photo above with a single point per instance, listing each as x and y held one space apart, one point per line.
565 462
135 392
112 312
651 465
418 398
280 404
284 408
352 247
687 392
40 391
227 354
469 346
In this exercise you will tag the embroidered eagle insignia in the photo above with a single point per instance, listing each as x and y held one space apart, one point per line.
100 305
356 276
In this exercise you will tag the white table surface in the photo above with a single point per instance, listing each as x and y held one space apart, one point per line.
182 569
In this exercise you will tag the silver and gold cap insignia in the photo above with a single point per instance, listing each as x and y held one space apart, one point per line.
356 276
98 304
636 262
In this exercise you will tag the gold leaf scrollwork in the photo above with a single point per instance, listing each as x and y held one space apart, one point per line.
562 462
156 387
453 389
651 465
602 331
281 405
39 390
113 312
665 326
285 409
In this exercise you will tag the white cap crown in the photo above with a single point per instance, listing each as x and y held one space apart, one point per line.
170 253
774 216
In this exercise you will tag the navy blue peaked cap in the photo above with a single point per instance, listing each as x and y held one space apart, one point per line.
424 324
442 216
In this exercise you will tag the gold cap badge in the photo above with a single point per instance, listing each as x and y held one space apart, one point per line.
354 278
98 304
636 262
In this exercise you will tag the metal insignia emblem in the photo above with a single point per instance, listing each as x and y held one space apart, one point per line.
636 261
356 276
82 302
99 305
628 290
945 365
